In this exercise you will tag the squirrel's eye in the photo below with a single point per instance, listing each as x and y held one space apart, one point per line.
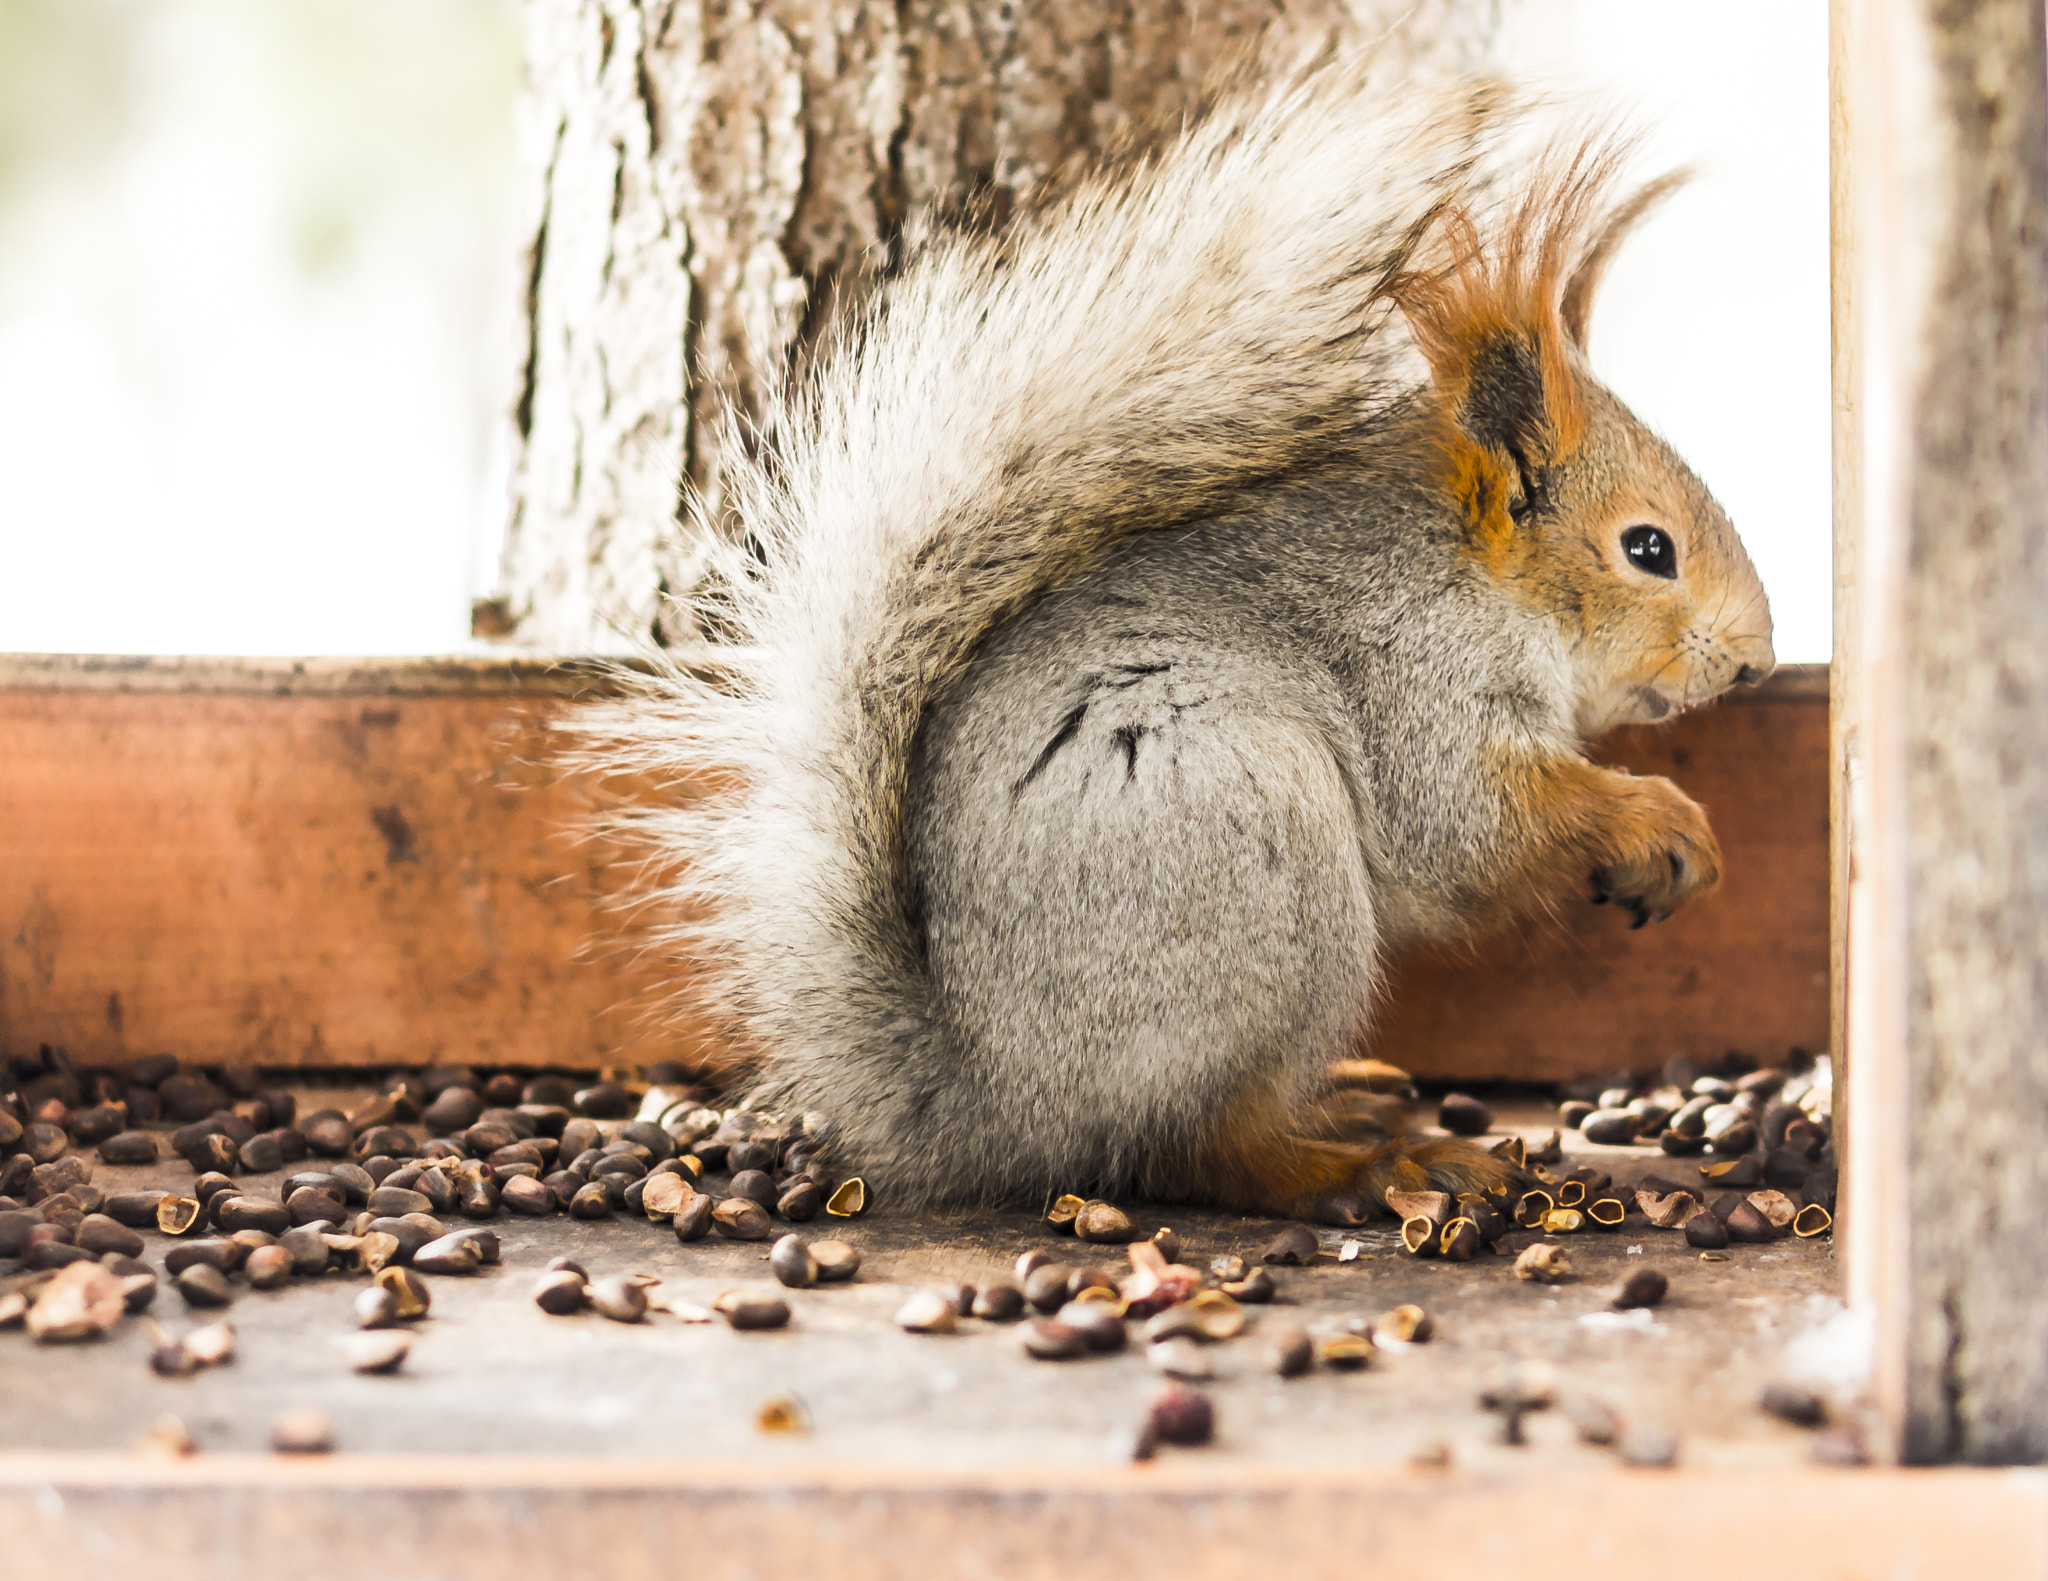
1651 549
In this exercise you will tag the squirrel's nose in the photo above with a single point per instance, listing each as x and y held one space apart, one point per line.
1755 659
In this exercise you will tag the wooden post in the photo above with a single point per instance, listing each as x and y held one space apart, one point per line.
1941 233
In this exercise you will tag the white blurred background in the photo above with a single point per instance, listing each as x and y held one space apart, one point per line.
258 272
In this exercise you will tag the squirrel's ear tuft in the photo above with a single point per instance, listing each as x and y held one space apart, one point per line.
1576 306
1499 319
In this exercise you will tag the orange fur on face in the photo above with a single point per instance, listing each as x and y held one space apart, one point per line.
1493 326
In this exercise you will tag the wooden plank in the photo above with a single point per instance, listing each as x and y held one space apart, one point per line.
360 862
332 877
229 1518
1945 219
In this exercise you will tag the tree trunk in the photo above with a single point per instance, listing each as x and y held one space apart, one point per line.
711 180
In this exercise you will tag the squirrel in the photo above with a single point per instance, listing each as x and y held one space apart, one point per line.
1149 615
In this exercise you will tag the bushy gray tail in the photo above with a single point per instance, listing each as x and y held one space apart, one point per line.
1166 335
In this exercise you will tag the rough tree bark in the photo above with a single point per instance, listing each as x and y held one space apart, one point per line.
709 181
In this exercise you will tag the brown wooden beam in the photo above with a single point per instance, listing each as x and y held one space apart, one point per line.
487 1519
311 863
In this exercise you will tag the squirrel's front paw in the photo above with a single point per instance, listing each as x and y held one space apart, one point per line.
1661 853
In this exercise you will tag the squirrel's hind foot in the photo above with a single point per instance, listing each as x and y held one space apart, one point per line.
1298 1176
1435 1164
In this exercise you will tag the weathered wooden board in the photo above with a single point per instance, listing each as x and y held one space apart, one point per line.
341 863
312 865
242 1518
513 1442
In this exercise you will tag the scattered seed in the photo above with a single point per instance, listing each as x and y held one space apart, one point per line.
449 1254
1099 1323
1610 1127
1562 1221
524 1195
837 1262
1733 1142
1593 1420
1256 1287
1746 1225
1291 1248
269 1267
1105 1224
1002 1303
1168 1243
1668 1211
1046 1287
1344 1352
128 1147
1645 1287
377 1351
1744 1172
665 1195
1812 1220
620 1297
1291 1352
1531 1208
850 1201
1706 1231
81 1302
307 1432
1648 1447
1048 1339
1059 1218
800 1202
1790 1402
693 1223
1459 1242
1182 1358
100 1234
740 1219
752 1309
1404 1325
1341 1208
1181 1416
1463 1115
928 1312
783 1414
791 1262
561 1291
177 1215
408 1290
1776 1207
203 1285
1543 1264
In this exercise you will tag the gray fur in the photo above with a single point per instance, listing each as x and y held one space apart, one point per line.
1163 831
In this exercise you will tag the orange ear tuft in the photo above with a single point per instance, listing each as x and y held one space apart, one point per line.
1499 321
